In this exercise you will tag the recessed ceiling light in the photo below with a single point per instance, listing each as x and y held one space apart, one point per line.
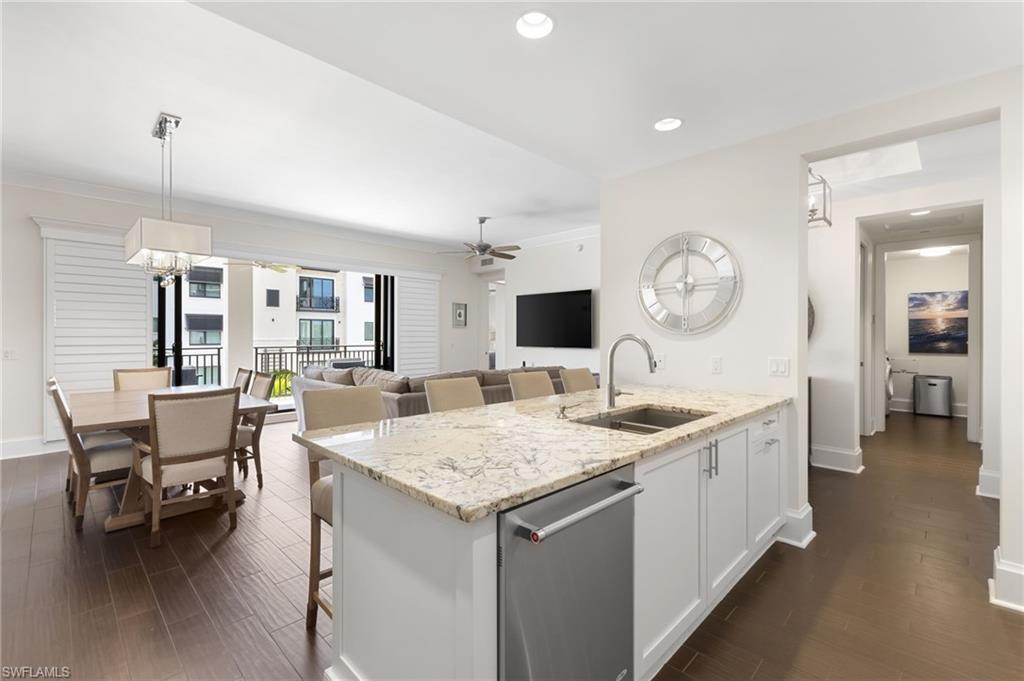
535 25
667 124
916 213
935 252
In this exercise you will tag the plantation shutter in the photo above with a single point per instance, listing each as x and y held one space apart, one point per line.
417 325
97 315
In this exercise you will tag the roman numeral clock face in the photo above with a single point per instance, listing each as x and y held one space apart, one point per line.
689 283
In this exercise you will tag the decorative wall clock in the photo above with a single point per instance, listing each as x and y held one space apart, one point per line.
689 283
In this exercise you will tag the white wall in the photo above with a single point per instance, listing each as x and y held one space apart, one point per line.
357 312
235 234
905 275
564 266
753 196
274 325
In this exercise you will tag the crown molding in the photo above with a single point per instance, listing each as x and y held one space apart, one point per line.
590 232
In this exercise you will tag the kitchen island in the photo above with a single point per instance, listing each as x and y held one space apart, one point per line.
418 501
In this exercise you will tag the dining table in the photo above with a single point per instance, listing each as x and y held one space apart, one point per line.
127 411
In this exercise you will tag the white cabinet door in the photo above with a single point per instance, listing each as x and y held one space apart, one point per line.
669 593
727 511
765 499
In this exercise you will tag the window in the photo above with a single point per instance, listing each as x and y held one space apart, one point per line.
208 375
204 282
317 294
368 331
316 332
156 325
204 337
273 297
367 290
204 329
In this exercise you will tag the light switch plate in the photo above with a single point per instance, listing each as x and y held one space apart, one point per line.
716 365
778 366
659 359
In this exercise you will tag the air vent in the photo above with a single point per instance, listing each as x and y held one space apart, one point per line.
484 262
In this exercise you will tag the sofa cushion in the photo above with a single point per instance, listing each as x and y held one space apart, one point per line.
494 377
416 383
552 370
388 381
314 372
338 376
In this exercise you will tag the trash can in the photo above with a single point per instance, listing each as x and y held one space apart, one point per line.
933 395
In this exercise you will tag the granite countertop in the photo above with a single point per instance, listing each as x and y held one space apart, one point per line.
471 463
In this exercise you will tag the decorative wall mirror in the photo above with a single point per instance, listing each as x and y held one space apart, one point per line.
689 283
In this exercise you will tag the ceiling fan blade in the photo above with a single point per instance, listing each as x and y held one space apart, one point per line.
277 267
506 248
499 254
470 246
471 256
452 252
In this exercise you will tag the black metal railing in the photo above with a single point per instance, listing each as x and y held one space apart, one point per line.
200 366
317 303
285 361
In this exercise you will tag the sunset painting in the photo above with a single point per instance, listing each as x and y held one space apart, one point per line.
938 322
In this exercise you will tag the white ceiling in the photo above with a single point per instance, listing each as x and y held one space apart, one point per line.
916 253
413 118
264 127
942 221
587 95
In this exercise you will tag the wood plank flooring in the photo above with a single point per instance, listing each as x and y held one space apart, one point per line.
893 587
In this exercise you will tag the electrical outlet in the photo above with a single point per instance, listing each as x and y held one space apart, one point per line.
659 359
716 365
778 366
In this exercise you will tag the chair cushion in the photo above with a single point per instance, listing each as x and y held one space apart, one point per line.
322 498
552 370
109 458
181 473
105 438
388 381
494 377
338 376
313 371
244 436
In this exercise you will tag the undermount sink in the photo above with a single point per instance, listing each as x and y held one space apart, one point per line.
644 421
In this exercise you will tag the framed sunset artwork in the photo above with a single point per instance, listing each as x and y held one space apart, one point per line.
937 322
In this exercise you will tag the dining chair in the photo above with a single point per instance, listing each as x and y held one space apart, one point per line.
576 380
146 378
242 377
527 384
103 438
111 460
247 440
327 409
192 440
453 393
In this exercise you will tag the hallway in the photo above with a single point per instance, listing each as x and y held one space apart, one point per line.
893 587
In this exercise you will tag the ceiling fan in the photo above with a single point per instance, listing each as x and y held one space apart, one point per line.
481 248
261 264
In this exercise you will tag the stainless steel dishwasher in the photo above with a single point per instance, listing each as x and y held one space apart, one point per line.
565 583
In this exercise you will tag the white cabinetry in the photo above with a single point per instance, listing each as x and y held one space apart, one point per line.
708 510
671 594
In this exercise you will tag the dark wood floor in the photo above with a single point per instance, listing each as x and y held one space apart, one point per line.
892 588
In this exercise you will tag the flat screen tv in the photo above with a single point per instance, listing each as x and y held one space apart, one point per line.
554 320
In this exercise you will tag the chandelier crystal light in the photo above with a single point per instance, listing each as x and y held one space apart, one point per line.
165 248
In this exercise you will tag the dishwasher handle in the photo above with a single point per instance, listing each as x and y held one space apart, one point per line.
538 534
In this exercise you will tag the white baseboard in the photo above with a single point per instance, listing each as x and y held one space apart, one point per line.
799 528
906 405
30 446
988 483
836 459
1006 588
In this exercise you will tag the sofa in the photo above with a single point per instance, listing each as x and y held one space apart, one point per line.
405 396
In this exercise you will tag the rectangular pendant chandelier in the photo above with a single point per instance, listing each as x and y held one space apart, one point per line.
164 245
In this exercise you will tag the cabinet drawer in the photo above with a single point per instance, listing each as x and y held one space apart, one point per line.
765 424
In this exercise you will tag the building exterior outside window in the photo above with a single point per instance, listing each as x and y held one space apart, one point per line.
317 332
368 331
205 282
316 293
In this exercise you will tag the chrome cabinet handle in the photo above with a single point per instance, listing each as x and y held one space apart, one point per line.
767 422
771 441
538 534
710 470
715 444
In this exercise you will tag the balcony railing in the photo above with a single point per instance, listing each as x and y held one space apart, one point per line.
285 361
200 366
317 303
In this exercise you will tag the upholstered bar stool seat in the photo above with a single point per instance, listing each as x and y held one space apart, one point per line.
526 385
453 393
576 380
321 494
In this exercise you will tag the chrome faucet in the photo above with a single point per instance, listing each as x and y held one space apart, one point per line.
652 363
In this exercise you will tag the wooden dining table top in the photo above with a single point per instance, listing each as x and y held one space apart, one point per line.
123 409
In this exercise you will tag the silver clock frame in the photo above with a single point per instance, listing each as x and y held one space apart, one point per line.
728 289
